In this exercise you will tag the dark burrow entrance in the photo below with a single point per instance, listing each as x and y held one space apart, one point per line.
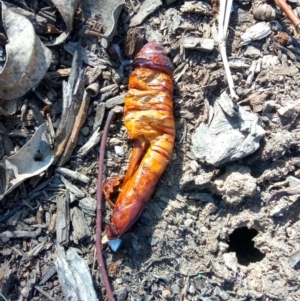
240 241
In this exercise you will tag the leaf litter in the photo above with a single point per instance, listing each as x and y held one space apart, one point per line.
186 245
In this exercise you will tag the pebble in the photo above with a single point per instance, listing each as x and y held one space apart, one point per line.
80 140
6 252
279 209
115 141
175 288
25 292
119 280
194 165
90 122
56 123
154 241
119 150
203 229
121 293
188 222
23 283
192 290
55 282
51 96
166 294
85 130
135 244
252 52
42 239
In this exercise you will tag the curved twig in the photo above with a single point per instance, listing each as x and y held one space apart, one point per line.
100 260
283 192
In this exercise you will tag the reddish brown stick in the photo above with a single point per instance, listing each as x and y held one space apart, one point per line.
289 12
102 268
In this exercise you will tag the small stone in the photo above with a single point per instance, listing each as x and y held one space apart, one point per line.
230 261
115 141
166 294
194 166
135 244
209 209
118 109
43 239
291 233
287 111
223 295
154 241
203 229
90 122
252 52
269 61
279 209
119 150
25 292
188 222
23 283
6 252
223 247
121 294
56 123
119 280
192 290
211 243
175 288
85 131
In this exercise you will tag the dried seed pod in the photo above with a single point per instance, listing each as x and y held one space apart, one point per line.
264 12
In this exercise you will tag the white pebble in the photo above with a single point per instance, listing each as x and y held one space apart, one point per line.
119 150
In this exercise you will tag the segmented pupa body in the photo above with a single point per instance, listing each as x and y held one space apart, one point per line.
149 120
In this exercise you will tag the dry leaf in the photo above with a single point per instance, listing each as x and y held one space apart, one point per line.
232 132
32 159
27 58
67 10
8 108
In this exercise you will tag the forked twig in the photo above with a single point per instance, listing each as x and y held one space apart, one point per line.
100 260
224 14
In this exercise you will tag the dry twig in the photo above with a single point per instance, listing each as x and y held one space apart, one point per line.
283 192
225 7
79 121
102 268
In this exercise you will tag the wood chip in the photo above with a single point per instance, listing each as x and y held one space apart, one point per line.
63 219
118 100
80 228
147 8
198 43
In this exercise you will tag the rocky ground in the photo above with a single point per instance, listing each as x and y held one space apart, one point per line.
209 232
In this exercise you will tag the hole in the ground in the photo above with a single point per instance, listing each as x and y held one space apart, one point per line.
240 242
